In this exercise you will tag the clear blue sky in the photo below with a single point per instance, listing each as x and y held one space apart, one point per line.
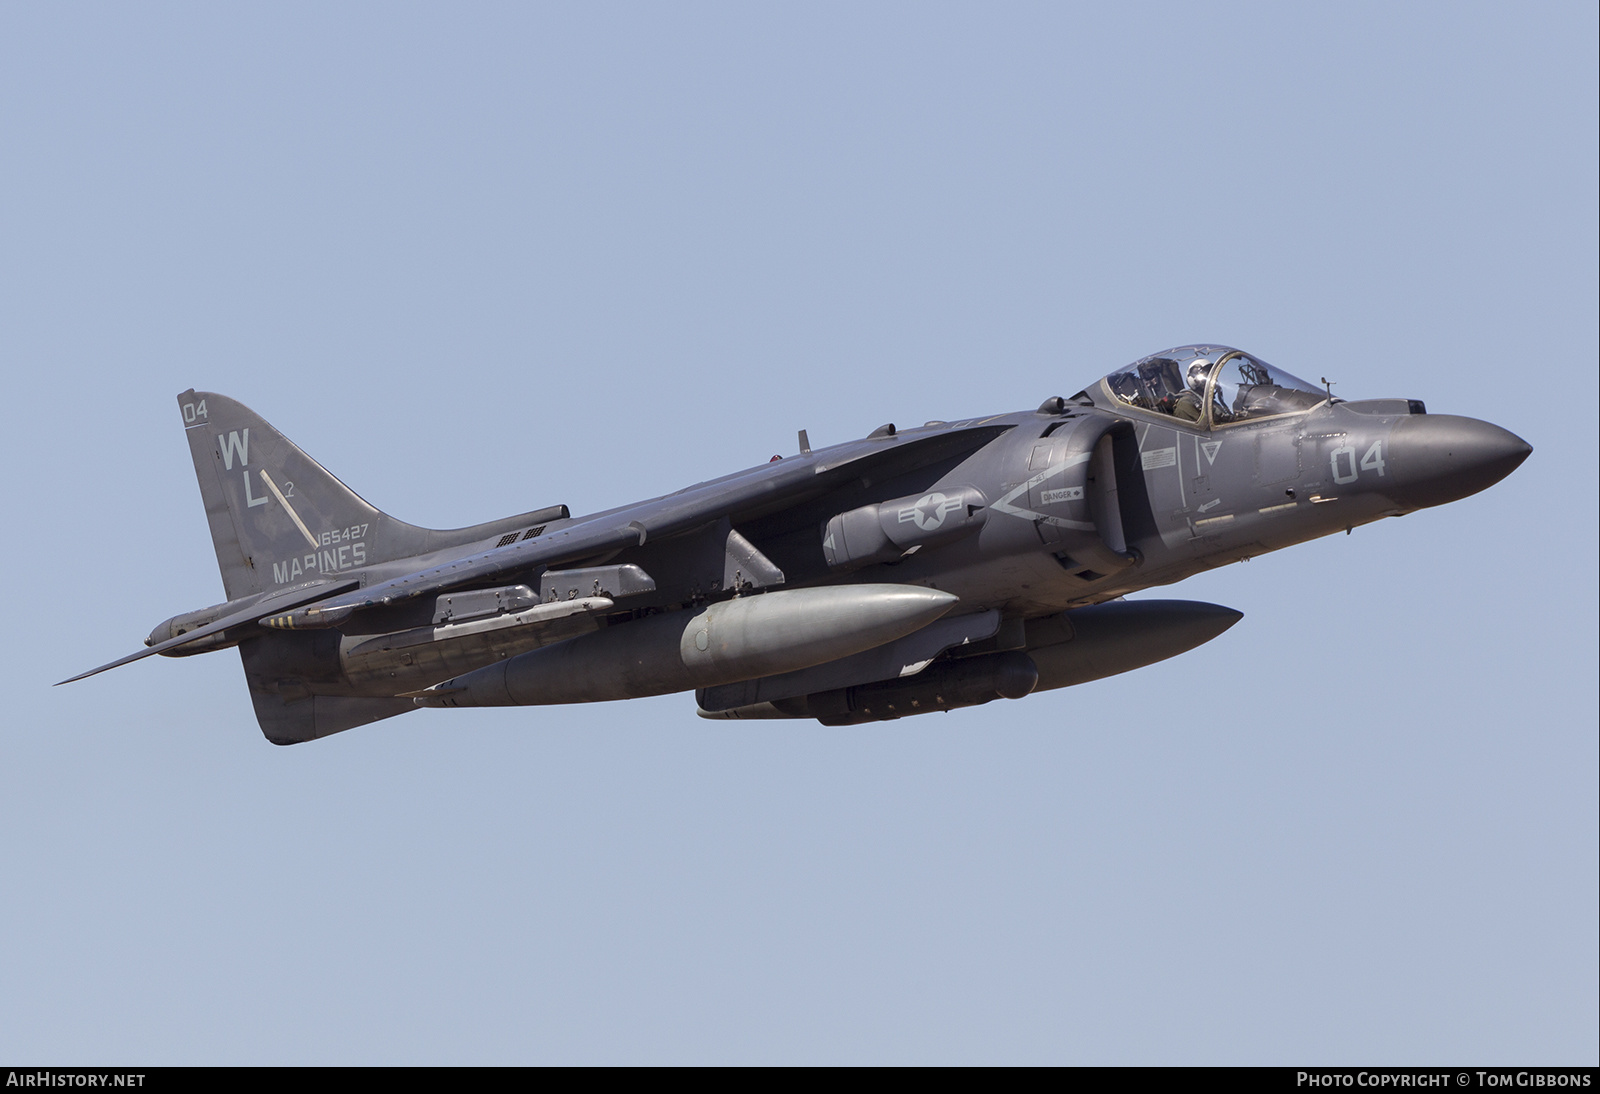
481 258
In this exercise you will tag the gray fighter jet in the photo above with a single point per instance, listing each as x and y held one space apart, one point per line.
910 571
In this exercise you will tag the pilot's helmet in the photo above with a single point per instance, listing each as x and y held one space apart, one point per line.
1195 375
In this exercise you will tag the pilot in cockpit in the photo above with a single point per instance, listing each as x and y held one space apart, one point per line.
1243 388
1162 384
1187 404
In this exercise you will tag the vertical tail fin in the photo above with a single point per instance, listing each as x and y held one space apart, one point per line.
278 518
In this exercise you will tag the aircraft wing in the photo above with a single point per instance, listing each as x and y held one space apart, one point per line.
760 490
744 495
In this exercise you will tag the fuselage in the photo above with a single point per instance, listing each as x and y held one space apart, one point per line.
1158 500
1087 503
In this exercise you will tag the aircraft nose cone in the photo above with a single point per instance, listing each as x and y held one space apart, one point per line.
1439 458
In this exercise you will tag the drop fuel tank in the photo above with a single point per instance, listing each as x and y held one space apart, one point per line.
1074 647
736 639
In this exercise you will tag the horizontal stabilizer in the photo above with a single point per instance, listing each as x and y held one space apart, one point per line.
261 607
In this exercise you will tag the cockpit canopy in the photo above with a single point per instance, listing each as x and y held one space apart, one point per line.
1209 386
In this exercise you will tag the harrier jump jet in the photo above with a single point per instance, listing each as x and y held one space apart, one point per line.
910 571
